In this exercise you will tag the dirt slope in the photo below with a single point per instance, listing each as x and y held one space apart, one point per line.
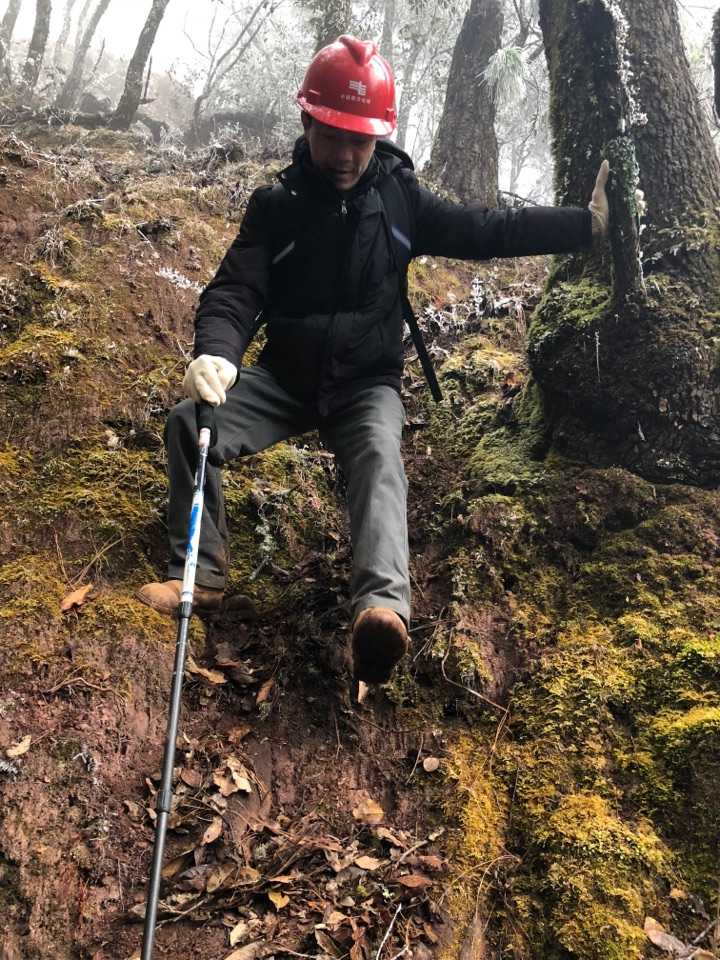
540 778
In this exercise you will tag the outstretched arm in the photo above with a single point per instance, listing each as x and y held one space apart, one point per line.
474 232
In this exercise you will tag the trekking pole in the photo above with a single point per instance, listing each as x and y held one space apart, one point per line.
207 436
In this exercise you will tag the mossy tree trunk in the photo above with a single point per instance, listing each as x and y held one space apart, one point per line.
716 58
71 89
624 344
38 42
132 94
465 152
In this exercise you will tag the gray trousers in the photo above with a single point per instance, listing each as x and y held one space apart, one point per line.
364 434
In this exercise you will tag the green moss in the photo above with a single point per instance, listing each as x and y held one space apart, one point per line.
579 304
36 352
115 491
687 734
479 807
280 505
30 586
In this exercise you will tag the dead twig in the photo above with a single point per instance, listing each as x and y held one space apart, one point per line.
388 932
417 758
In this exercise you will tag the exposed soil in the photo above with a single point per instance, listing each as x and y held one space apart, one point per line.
524 786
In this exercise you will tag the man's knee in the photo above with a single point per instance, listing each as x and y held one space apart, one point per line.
180 420
379 455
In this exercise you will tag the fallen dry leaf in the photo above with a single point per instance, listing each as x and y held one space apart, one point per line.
135 811
382 833
264 691
19 748
326 943
656 934
213 831
368 863
225 784
432 862
174 866
249 952
239 774
279 899
369 812
238 932
430 764
214 676
193 778
415 881
236 735
77 598
218 876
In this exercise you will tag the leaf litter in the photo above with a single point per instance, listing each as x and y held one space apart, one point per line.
335 893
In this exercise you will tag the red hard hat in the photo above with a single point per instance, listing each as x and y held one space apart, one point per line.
350 86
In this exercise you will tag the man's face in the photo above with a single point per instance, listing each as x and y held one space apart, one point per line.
340 155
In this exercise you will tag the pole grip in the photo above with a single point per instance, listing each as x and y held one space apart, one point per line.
205 415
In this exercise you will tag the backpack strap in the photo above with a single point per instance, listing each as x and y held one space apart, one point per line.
396 218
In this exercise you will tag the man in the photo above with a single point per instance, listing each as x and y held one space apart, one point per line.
323 257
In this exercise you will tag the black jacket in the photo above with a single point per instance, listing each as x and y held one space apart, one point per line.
321 270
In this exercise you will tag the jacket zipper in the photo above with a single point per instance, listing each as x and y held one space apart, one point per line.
338 281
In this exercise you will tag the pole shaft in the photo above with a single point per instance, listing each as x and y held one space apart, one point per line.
164 798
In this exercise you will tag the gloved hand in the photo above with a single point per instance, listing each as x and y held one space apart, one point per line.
598 205
207 378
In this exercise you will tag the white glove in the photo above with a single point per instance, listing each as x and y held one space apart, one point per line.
207 378
598 205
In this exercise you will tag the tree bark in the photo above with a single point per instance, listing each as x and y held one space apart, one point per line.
38 42
7 27
80 25
386 41
465 153
716 59
623 345
64 33
132 94
71 89
407 99
330 20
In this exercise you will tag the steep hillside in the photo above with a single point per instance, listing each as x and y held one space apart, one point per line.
540 778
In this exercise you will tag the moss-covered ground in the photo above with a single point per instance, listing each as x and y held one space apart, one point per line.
566 656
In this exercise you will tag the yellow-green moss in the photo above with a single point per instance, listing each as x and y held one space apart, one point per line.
31 585
478 805
577 304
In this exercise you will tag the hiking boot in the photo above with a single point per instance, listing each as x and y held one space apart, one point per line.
165 597
379 641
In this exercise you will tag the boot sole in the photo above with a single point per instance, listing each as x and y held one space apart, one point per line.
377 648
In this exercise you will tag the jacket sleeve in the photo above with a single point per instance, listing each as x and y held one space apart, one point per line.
474 232
230 304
